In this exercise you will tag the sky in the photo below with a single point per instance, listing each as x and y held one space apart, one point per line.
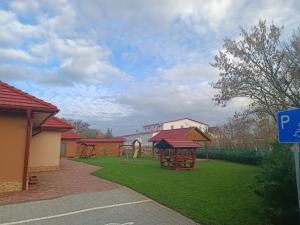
123 64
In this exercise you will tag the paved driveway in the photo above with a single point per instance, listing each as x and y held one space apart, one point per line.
112 207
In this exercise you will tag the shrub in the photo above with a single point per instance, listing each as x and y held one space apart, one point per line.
277 186
247 156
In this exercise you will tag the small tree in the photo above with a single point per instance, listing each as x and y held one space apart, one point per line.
108 133
277 186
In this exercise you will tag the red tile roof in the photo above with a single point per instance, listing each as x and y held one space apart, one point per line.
173 134
13 98
55 123
180 143
68 135
101 140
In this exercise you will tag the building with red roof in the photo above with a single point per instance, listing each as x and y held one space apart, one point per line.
45 149
100 146
69 144
21 115
150 130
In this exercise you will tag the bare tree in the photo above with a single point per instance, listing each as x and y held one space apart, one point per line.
258 66
83 129
245 130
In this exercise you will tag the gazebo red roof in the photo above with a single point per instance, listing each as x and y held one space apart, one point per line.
69 135
180 143
12 98
173 134
56 123
101 140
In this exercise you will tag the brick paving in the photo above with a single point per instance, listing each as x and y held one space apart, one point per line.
72 178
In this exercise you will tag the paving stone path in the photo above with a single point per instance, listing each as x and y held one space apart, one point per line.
72 178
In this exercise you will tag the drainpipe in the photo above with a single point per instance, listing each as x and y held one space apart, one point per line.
27 147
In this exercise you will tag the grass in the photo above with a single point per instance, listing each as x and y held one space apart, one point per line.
216 192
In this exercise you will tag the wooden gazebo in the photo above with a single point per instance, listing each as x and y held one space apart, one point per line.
177 154
191 134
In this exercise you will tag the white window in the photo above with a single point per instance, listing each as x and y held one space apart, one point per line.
172 126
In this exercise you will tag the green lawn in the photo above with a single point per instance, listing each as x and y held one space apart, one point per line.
215 193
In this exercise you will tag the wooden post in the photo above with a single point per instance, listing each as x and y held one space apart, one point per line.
175 159
194 158
140 150
153 149
27 148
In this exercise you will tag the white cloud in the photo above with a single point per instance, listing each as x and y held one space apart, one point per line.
87 102
12 30
15 54
10 72
189 73
21 6
167 44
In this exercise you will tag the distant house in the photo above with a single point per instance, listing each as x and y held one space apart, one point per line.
21 115
175 124
151 130
69 144
45 145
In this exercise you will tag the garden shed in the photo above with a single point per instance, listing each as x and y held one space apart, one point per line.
45 145
177 154
100 146
189 134
68 147
21 115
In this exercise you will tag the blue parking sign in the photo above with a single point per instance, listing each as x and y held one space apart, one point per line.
289 126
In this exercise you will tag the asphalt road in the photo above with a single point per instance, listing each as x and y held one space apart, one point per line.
120 206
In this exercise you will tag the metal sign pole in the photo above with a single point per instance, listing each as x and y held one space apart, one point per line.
296 157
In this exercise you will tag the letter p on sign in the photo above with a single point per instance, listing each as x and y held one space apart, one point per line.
284 119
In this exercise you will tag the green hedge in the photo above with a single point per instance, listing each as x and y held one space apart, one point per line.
247 156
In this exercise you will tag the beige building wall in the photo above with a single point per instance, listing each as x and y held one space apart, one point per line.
45 151
12 149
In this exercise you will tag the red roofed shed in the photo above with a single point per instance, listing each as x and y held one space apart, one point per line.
69 143
100 146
